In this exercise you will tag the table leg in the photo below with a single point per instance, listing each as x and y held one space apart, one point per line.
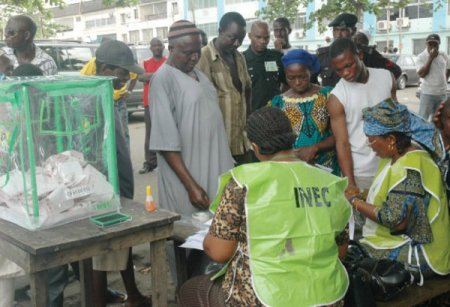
86 280
158 259
39 288
181 263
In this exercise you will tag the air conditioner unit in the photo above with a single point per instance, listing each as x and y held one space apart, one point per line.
299 34
382 25
403 22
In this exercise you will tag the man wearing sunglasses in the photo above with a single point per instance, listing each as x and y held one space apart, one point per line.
19 35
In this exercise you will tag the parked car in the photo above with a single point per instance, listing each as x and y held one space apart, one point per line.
409 74
71 56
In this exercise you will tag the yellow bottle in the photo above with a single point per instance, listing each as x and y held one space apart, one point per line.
150 204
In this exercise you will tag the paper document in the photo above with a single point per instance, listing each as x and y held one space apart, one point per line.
195 241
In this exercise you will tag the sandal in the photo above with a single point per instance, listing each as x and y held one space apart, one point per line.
115 297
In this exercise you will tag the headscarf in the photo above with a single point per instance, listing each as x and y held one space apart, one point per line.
300 56
389 116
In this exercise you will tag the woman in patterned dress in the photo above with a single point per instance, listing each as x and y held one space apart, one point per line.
406 208
305 104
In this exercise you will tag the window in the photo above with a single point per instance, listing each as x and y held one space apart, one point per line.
300 22
74 58
123 18
236 1
418 45
419 9
125 38
161 32
147 35
100 22
136 14
174 8
154 11
209 28
134 36
201 4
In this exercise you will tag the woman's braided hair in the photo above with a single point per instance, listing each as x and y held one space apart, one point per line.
271 130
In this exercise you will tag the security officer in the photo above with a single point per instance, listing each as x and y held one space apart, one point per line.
263 65
344 26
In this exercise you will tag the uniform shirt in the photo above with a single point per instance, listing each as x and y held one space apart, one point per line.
90 69
231 101
435 82
41 60
267 74
151 66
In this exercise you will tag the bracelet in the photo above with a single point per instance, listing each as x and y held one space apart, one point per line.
352 201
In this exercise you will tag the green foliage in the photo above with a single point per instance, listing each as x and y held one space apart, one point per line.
279 8
120 3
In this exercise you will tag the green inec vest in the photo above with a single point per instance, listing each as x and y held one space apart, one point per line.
294 212
437 253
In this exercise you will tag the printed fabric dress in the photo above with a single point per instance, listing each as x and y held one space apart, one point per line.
310 120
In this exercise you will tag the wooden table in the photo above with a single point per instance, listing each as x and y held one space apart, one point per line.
37 251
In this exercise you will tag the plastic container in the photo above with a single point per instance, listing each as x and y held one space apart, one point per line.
57 150
150 204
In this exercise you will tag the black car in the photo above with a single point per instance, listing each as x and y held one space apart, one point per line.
409 74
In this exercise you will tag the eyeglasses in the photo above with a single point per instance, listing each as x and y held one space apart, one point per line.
369 143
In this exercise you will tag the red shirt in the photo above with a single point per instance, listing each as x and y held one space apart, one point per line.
151 66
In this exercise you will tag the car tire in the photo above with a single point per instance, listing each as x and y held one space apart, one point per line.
401 83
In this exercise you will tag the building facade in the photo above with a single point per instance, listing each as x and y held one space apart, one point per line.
405 29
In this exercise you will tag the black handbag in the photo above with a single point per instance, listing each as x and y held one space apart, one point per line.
373 279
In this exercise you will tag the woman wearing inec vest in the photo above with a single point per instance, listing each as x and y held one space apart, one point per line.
406 207
276 226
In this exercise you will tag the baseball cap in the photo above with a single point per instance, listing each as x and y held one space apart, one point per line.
117 53
344 20
433 38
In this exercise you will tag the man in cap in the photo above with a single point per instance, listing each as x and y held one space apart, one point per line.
344 26
225 67
433 68
114 58
19 37
263 65
188 133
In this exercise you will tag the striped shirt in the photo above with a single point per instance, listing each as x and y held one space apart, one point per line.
41 60
232 102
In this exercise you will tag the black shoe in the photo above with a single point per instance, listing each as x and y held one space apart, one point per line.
146 169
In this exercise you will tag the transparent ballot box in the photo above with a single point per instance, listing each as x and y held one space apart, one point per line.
57 150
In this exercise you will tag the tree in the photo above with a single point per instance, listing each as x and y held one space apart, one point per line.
280 8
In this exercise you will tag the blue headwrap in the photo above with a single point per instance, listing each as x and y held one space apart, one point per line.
389 116
300 56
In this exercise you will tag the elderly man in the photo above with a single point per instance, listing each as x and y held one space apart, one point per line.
188 133
19 36
433 68
226 69
344 26
263 65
